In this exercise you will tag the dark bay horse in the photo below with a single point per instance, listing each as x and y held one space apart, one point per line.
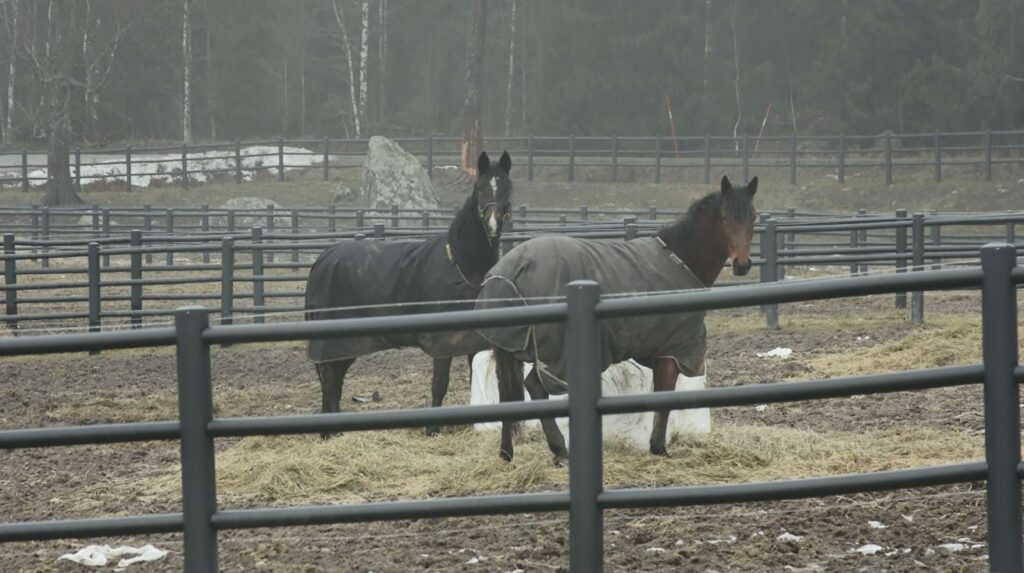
381 276
688 254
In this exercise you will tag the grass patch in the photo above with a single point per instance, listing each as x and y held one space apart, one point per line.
369 466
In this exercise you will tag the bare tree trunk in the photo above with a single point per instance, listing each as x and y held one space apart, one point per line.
792 104
364 56
211 110
707 47
186 74
339 16
11 71
511 69
472 131
382 54
60 189
736 59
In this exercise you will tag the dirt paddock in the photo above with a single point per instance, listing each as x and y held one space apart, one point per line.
940 529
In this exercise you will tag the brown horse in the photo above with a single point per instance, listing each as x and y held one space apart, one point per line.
687 254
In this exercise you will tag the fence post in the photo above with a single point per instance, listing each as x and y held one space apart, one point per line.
770 270
238 161
707 159
78 169
652 213
135 241
257 275
522 212
96 217
792 158
917 297
572 157
854 247
562 220
863 238
327 165
426 218
128 168
332 218
430 155
888 158
988 155
170 233
147 227
745 155
295 232
204 226
938 158
106 233
394 217
631 228
360 219
901 253
280 160
586 475
227 280
584 213
231 221
657 159
378 231
184 166
24 170
780 247
615 158
1002 410
1011 233
94 289
842 158
195 410
10 280
270 228
529 158
936 238
45 262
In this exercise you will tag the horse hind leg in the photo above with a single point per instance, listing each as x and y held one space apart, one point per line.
556 441
439 387
510 389
666 372
332 379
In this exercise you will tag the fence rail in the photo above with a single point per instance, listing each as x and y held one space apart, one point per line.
586 499
106 274
975 154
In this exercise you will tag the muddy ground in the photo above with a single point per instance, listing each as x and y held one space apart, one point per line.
276 379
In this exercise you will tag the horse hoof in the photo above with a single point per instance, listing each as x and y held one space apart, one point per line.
560 461
505 455
659 451
433 431
329 435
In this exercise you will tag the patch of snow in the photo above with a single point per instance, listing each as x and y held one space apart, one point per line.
863 338
877 525
787 536
953 547
100 555
810 568
152 168
907 518
897 551
729 539
761 407
679 543
868 549
972 528
778 352
655 550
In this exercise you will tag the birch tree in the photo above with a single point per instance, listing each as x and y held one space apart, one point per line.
13 32
339 17
472 131
511 69
364 57
186 74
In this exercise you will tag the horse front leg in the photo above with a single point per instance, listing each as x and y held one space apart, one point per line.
666 372
332 379
439 387
556 441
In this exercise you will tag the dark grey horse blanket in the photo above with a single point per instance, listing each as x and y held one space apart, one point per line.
542 267
379 274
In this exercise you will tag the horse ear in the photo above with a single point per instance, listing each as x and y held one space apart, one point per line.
726 185
483 163
505 162
752 186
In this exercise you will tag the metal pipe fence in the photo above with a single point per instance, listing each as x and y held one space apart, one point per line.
259 272
972 154
587 498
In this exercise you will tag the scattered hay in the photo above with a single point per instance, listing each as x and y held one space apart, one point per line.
946 341
372 466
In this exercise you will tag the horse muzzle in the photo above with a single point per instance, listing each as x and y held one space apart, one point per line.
741 268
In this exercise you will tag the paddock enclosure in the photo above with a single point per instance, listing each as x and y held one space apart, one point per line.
907 450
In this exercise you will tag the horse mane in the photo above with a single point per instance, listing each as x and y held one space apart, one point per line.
737 206
470 247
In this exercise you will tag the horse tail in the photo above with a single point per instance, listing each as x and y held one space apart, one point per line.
510 380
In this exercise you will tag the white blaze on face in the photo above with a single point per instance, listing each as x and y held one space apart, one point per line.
492 224
494 185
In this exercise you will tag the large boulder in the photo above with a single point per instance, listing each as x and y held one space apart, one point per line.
391 176
246 216
619 379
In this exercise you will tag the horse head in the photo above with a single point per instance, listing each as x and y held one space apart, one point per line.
492 193
738 215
